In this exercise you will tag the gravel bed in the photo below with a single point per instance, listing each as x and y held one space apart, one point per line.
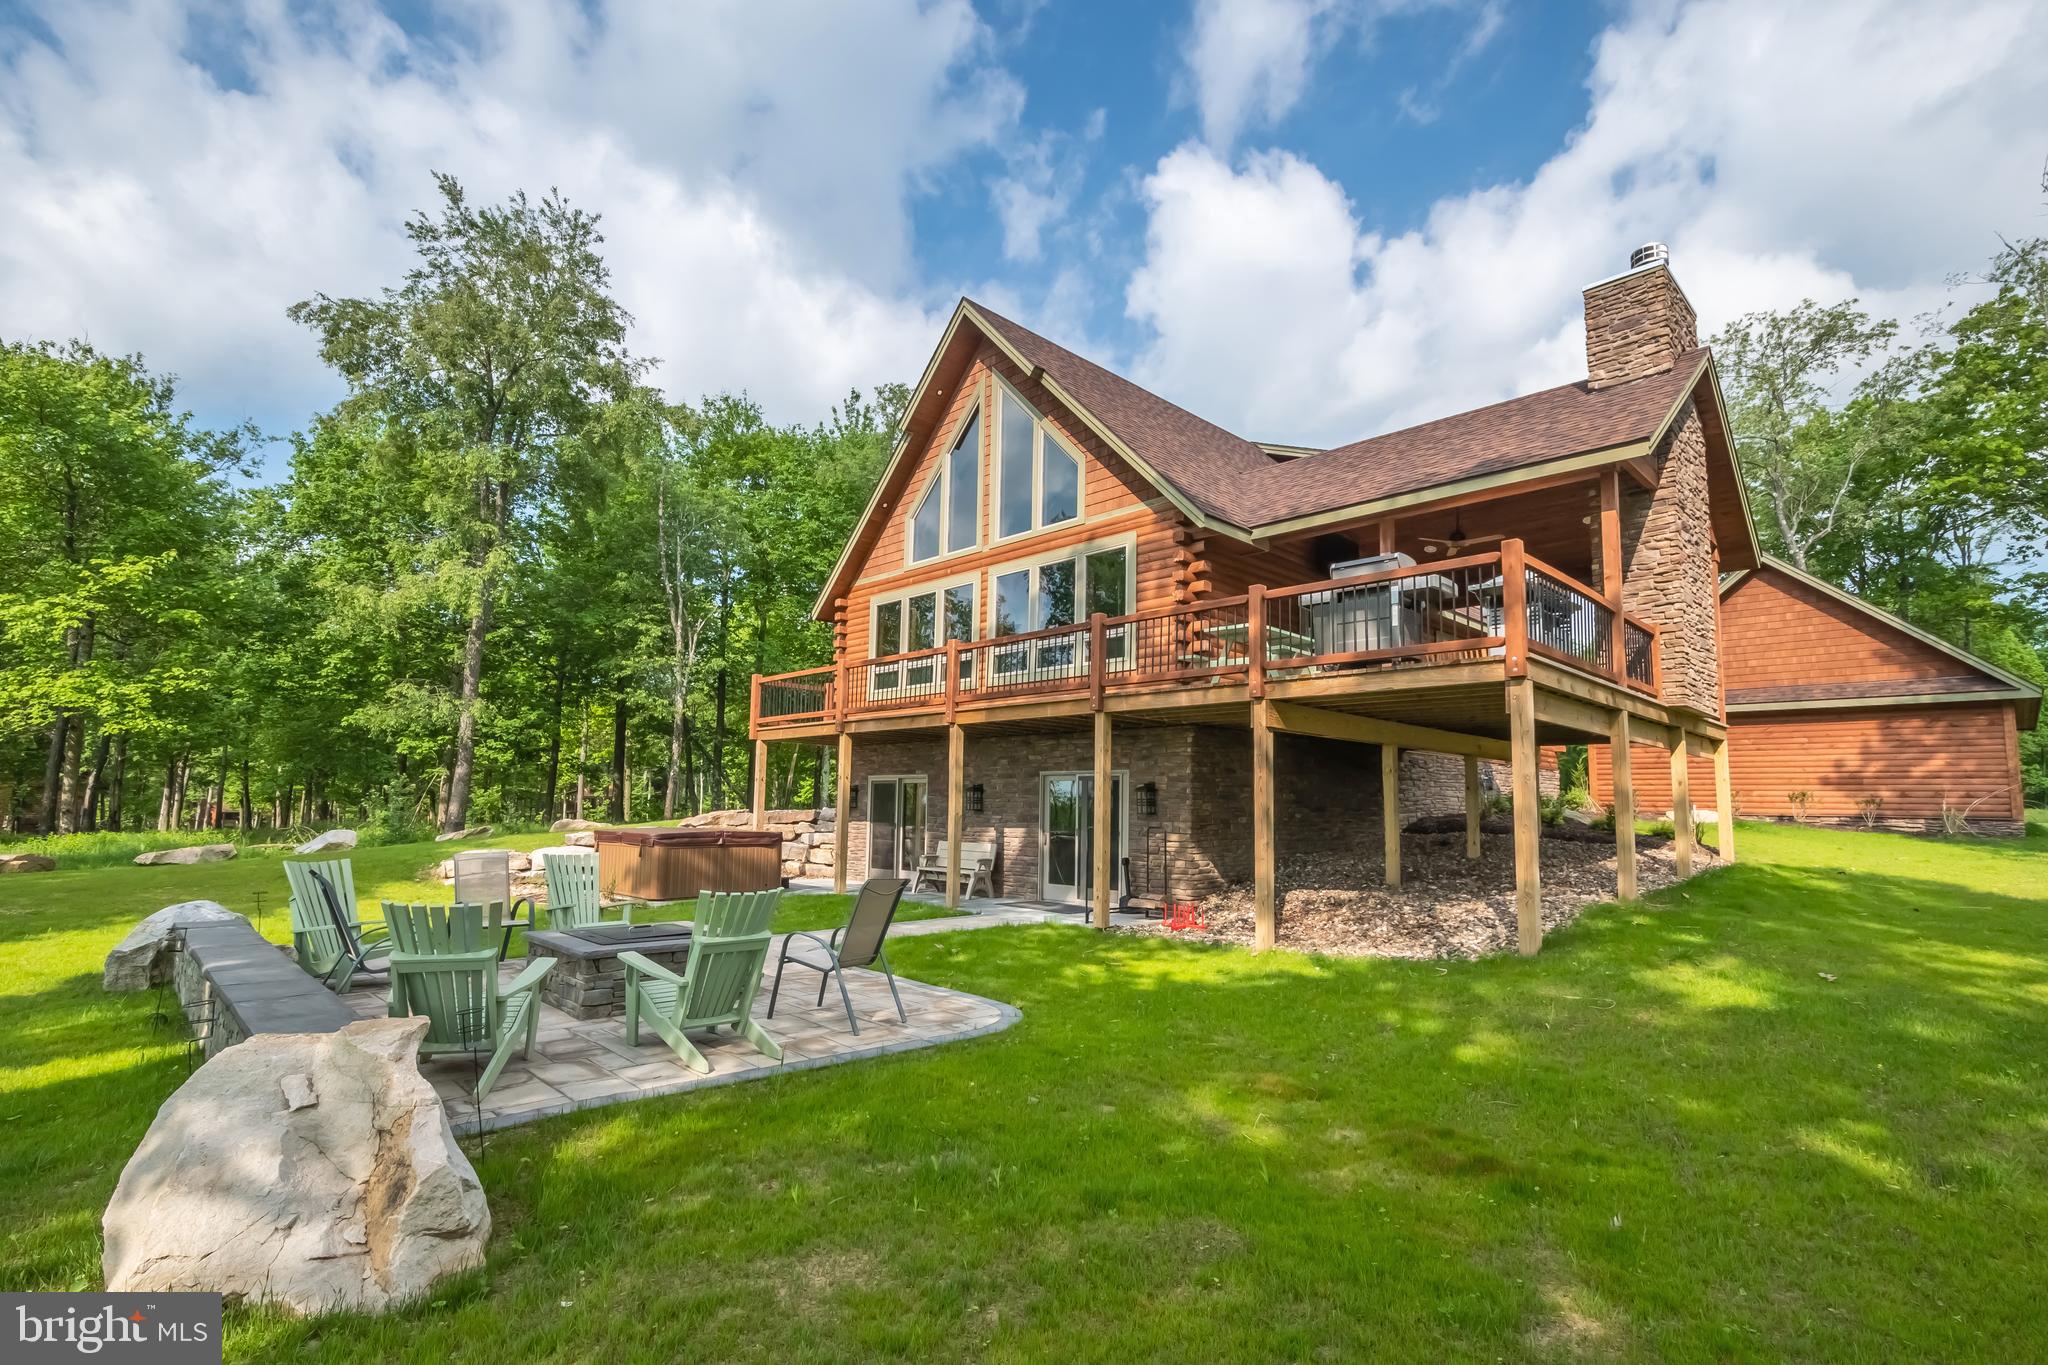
1332 902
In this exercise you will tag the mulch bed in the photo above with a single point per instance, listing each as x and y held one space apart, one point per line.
1447 907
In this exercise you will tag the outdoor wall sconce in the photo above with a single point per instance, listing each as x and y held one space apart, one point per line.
853 796
974 798
1148 798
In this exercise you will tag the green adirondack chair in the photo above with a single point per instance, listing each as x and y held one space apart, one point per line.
573 899
331 941
728 944
467 1012
429 930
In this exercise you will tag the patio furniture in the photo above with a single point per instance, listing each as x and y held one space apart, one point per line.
728 945
466 1009
435 930
330 942
857 944
573 899
483 876
977 864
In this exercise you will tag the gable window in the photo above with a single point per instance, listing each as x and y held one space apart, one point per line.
1038 476
1058 593
921 619
947 519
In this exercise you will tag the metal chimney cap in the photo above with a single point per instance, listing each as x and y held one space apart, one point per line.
1649 253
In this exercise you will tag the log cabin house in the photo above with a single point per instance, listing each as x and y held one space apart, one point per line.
1065 586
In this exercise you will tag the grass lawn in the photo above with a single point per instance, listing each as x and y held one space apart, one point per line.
1792 1109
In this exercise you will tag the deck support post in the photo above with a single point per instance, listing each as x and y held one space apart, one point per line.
760 782
1623 772
1390 812
1474 806
956 808
1102 848
1681 801
1724 803
842 783
1528 817
1266 920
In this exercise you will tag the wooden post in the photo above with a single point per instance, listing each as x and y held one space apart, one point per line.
1255 642
1610 566
841 801
1474 806
760 782
1390 812
1266 926
1528 817
754 706
956 809
952 679
1387 525
1105 795
1514 611
1098 664
1724 803
1681 802
1623 772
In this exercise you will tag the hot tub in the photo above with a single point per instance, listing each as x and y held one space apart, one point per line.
675 864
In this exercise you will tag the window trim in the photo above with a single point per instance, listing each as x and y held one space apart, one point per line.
937 486
937 588
1077 554
1040 425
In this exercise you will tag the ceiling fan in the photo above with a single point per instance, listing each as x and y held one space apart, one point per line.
1457 542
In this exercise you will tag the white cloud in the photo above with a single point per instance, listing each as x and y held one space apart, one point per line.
1782 151
1247 63
1042 176
752 167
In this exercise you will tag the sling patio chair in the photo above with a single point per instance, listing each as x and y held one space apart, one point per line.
467 1010
728 944
483 876
857 944
331 943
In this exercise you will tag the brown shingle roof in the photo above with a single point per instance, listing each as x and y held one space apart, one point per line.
1231 478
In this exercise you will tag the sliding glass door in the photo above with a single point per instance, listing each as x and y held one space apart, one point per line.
896 807
1068 825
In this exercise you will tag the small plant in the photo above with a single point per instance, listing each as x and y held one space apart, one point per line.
1552 809
1955 820
1800 801
1497 803
1871 808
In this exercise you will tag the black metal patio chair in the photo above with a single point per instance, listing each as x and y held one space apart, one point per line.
857 944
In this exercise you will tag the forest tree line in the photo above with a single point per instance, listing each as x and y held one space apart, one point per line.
506 579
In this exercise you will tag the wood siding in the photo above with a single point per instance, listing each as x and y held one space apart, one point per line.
1116 501
1781 633
1911 756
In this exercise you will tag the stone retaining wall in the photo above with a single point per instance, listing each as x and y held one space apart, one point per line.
248 986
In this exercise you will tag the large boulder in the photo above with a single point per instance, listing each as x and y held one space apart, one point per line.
26 862
185 857
475 832
313 1171
564 826
138 961
581 838
328 841
540 856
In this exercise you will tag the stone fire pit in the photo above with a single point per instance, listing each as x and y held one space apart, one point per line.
589 981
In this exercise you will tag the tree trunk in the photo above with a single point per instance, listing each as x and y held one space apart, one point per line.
679 718
616 808
582 754
53 775
72 788
118 790
689 769
248 810
95 783
718 743
457 813
554 779
163 802
178 794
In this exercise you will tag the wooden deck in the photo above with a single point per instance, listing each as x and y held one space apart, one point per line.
1487 656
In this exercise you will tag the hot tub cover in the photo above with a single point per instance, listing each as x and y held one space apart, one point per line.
692 838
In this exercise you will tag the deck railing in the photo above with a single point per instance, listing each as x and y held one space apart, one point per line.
1501 605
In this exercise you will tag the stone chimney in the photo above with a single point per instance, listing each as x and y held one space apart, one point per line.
1639 322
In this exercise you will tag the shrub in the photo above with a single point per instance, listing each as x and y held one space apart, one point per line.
1871 808
1800 801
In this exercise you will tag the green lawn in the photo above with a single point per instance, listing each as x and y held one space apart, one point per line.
1793 1109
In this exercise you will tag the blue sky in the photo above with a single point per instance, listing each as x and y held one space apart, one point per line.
1309 220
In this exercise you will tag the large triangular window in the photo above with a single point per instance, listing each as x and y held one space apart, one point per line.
948 516
1038 475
